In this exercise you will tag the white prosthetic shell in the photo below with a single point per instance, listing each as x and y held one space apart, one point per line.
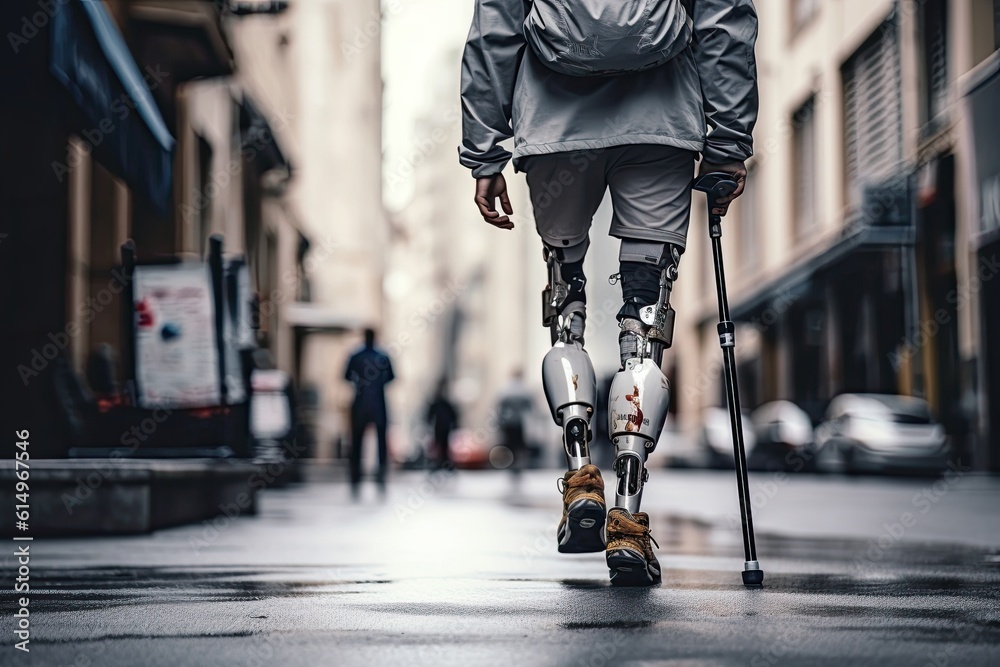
570 382
637 410
637 407
571 389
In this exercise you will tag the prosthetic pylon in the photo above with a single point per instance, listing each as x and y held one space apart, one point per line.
567 372
640 393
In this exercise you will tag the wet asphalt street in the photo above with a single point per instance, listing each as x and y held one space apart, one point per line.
462 570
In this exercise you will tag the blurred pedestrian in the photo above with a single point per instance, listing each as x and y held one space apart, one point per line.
443 419
369 369
598 95
514 404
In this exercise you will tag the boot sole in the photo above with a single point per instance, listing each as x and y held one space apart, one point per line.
583 530
629 568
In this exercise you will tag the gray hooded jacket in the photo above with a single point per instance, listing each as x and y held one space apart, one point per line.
705 99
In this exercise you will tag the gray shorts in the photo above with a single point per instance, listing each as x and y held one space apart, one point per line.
650 192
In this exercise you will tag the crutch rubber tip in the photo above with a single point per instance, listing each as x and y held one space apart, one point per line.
753 577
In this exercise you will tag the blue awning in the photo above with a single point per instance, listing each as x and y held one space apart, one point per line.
120 119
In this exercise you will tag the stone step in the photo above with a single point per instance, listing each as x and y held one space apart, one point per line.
124 496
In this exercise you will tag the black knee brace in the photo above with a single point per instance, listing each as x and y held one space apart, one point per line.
566 293
640 276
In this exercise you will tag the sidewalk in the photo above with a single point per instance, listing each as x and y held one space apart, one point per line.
956 508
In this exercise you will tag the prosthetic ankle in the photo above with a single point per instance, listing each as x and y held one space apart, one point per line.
567 372
640 393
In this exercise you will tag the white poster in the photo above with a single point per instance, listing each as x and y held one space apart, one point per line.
245 333
176 359
237 329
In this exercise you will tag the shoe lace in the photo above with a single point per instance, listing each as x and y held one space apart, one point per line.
585 480
646 533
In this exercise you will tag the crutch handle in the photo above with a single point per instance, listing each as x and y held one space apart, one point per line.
715 185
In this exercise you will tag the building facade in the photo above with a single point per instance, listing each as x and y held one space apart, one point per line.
128 119
853 260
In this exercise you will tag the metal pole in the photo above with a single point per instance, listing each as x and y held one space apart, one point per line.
716 185
727 342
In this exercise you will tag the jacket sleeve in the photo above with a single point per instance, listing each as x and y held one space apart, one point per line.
492 54
725 32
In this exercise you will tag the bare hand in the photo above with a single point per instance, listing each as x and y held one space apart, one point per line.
488 189
739 173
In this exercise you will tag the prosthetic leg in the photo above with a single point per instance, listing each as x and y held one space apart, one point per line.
640 396
640 393
571 389
567 373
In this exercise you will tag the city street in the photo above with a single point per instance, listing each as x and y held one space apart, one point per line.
457 569
245 241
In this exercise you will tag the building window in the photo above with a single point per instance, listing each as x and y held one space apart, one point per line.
203 198
996 24
873 127
804 166
749 227
933 21
802 12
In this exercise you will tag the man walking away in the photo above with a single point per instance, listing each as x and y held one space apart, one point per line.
443 419
369 369
514 405
599 95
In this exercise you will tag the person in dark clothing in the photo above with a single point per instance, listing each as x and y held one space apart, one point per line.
513 407
443 418
369 369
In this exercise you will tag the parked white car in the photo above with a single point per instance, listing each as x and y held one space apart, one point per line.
784 433
880 433
716 437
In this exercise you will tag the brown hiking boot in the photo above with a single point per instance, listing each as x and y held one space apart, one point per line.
630 555
581 529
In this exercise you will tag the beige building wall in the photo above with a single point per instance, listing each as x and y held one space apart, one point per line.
446 262
335 50
264 47
792 65
313 72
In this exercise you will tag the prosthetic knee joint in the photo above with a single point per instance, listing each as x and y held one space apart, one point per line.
640 393
567 373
